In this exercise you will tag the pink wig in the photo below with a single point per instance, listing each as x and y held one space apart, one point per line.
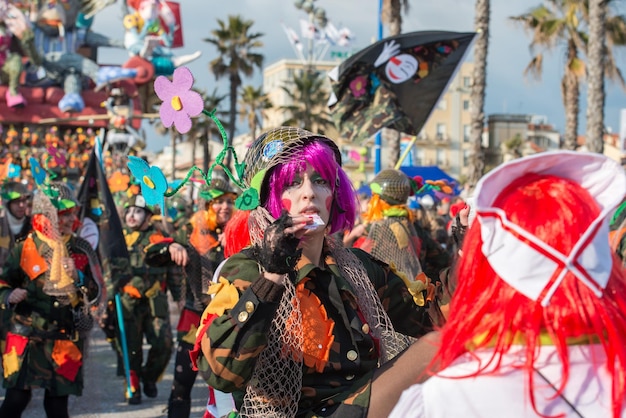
322 159
486 311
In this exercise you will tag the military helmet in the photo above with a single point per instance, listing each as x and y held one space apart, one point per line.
62 196
219 186
12 190
140 202
274 147
393 186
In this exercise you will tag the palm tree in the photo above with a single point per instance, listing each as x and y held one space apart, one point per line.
392 18
596 50
308 98
235 46
562 22
479 84
253 101
605 32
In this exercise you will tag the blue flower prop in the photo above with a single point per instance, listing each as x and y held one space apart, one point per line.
152 181
39 174
14 171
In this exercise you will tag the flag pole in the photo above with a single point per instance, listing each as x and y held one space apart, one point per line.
378 138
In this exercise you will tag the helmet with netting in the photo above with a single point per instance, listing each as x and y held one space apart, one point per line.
393 186
12 190
274 147
140 202
219 186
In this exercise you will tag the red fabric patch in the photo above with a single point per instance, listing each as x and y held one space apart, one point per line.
187 319
197 347
69 369
80 261
18 341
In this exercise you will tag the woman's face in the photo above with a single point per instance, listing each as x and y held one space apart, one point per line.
67 220
223 208
308 194
135 217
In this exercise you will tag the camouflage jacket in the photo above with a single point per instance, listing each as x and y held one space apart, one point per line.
7 239
240 333
160 273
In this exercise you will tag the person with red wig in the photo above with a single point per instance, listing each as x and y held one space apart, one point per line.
537 325
299 325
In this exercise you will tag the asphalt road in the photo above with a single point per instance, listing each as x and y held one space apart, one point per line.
103 396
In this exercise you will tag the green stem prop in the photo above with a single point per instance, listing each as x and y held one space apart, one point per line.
219 161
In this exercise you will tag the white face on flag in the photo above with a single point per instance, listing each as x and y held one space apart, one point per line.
401 68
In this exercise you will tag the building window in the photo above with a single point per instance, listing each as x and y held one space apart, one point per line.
441 157
441 132
467 129
466 104
466 157
418 153
442 104
467 82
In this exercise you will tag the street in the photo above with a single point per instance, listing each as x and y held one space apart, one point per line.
103 395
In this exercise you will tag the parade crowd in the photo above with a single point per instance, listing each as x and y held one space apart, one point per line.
316 298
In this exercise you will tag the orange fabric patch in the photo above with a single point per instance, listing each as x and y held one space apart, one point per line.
132 291
68 359
317 328
158 238
31 261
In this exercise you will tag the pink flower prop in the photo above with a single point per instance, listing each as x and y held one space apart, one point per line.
57 155
180 103
358 86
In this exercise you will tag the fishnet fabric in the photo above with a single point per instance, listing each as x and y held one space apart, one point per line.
395 186
197 278
392 342
395 241
275 387
57 281
272 148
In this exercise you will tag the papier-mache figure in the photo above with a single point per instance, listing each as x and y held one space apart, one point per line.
60 29
147 38
14 26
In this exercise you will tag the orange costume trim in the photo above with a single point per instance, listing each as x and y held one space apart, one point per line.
316 326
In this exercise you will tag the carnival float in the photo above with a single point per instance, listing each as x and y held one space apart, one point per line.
56 98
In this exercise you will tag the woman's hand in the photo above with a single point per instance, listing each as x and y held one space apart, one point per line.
178 254
17 295
278 254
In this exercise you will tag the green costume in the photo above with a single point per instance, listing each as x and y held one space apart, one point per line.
46 335
145 304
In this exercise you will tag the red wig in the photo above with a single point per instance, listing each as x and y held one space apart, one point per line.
487 312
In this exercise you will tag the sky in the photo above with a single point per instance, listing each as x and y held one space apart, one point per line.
508 90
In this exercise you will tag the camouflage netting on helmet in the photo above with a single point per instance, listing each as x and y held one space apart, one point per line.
275 387
393 186
395 241
276 147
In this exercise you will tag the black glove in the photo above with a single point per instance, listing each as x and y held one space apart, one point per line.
108 321
83 321
279 252
458 231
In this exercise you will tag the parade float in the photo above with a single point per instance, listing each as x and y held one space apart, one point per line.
56 98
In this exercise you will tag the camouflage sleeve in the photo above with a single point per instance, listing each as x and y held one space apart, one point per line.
408 316
238 335
12 275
